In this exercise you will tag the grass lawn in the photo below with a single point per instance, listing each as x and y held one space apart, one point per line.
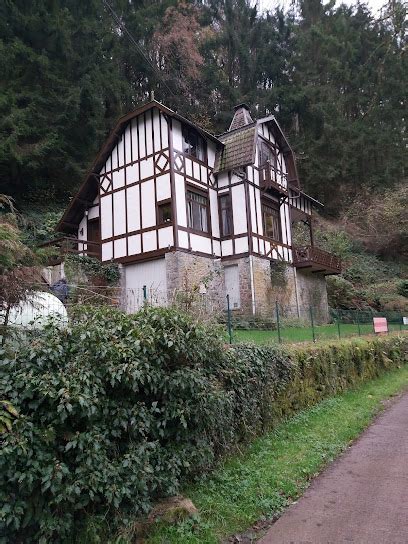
276 468
305 334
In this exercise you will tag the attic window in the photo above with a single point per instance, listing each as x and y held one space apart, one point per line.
267 155
193 144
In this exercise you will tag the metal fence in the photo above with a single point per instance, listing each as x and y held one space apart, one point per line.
61 299
288 324
279 323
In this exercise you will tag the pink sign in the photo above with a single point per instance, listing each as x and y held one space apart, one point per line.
380 324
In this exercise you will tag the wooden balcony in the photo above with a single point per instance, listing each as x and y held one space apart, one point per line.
272 178
69 245
316 260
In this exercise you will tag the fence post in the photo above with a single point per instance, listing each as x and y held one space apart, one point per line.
358 323
312 322
144 293
338 323
400 322
229 320
278 322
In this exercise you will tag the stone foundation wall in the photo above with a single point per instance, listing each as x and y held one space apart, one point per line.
273 282
312 292
188 273
194 274
52 274
280 282
244 284
268 287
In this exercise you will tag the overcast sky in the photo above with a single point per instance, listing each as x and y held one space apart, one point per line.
374 4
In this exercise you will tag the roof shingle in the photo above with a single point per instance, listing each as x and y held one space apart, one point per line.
239 149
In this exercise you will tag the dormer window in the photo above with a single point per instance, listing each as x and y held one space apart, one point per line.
194 144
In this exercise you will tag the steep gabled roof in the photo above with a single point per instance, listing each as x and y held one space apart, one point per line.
89 188
235 148
293 177
240 145
277 132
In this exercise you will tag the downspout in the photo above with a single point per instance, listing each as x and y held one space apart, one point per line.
296 291
251 273
293 266
249 227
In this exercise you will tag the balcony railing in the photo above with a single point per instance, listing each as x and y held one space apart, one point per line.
66 244
272 178
316 260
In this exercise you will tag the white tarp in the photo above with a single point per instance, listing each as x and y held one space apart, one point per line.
36 311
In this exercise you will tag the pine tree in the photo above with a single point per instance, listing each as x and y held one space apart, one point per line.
59 93
348 95
335 77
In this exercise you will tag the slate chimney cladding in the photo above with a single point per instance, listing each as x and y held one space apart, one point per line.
242 117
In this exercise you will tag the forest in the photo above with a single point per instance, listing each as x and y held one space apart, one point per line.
334 75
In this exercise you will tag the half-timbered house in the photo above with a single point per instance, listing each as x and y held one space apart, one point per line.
179 208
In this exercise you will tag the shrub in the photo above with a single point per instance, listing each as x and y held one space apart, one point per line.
393 303
342 294
380 221
364 269
79 266
116 411
402 288
335 241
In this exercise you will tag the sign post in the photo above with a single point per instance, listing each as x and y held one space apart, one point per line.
229 324
278 322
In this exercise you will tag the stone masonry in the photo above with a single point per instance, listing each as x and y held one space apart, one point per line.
294 290
194 275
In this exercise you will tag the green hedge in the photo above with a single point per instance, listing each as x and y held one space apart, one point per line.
118 410
324 370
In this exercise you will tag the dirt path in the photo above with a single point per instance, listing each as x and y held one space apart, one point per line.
362 497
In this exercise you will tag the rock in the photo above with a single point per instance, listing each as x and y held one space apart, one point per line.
172 510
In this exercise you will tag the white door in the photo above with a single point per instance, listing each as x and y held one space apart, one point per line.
232 286
146 282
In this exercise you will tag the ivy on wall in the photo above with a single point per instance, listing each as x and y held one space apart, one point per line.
278 270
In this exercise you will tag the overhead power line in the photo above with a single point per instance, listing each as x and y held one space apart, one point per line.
139 49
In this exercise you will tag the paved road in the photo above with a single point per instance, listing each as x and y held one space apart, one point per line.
362 497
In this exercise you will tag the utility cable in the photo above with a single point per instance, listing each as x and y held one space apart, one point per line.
122 26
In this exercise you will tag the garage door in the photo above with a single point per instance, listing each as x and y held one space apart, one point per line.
148 279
